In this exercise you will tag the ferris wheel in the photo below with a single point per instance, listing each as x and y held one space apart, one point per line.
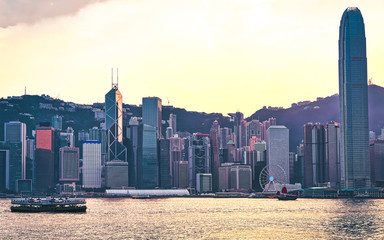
270 175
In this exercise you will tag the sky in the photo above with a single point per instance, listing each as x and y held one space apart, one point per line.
209 56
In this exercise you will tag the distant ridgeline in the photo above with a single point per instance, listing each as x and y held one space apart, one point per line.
35 109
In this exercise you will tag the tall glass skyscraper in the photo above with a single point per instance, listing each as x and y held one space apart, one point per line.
114 125
151 133
353 93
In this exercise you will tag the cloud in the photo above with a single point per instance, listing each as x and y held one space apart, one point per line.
13 12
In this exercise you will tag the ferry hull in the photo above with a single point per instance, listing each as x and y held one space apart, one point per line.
48 209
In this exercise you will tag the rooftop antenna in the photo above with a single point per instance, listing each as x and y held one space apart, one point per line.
25 90
112 77
117 84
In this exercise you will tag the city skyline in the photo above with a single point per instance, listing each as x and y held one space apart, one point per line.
243 50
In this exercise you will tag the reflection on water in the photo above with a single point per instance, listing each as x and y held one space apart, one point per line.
199 218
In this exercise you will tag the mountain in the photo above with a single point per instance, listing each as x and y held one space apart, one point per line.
35 109
323 110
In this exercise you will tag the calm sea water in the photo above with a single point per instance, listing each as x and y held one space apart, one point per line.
202 218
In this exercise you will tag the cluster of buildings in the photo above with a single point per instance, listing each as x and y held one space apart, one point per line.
143 155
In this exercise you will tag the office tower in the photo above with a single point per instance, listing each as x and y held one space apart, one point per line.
225 134
15 138
152 113
4 166
151 110
133 132
83 136
203 182
292 158
377 162
177 150
319 161
254 130
30 159
199 156
238 118
57 122
91 164
241 178
116 174
353 93
149 160
69 165
99 134
225 177
260 148
180 174
278 151
333 153
165 165
308 166
44 167
114 125
172 123
215 158
266 124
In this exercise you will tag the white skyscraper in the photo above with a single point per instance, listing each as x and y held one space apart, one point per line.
278 150
92 164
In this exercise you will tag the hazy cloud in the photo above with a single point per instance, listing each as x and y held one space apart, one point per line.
13 12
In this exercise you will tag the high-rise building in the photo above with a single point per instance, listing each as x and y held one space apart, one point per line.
92 164
165 180
377 162
203 182
215 158
180 174
133 135
57 122
44 167
266 124
151 110
278 151
15 139
172 123
353 93
238 128
114 125
67 138
116 174
152 113
241 178
199 156
333 153
69 165
254 130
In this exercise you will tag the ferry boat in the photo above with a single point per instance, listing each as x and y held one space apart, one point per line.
48 205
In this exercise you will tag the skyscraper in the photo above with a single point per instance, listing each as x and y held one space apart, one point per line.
114 124
278 150
92 164
69 165
151 133
44 168
353 93
199 156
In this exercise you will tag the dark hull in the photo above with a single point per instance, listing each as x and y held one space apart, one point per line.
287 197
48 209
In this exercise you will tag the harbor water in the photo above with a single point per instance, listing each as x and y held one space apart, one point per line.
202 218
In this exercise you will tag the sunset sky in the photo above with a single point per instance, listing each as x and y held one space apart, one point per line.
211 56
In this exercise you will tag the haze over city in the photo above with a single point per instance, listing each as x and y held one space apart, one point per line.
212 56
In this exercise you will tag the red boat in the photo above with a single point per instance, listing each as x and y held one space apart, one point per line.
285 196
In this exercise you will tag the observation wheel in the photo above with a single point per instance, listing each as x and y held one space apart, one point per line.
270 175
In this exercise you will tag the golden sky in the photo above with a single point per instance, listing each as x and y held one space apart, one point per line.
211 56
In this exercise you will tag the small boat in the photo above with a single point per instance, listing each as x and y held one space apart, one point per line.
285 196
48 205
